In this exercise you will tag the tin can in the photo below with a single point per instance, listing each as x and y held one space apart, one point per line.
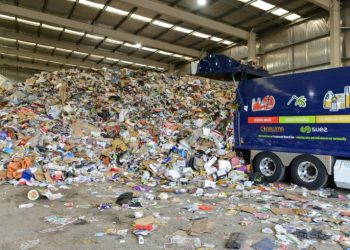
33 195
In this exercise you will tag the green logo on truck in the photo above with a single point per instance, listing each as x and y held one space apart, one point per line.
308 129
305 129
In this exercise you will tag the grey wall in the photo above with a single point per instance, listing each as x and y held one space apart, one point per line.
299 48
303 47
347 37
16 74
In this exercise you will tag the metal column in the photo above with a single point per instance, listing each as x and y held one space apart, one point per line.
252 46
335 43
347 36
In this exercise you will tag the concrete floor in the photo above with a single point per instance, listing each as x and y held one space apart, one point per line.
19 225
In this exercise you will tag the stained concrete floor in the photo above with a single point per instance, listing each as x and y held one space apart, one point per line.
18 225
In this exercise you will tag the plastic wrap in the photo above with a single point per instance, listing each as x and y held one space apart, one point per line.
310 29
318 51
239 52
277 40
278 61
347 43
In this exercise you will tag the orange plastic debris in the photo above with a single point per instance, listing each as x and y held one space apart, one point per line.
16 167
205 207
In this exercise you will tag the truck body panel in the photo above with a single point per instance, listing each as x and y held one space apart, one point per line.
300 113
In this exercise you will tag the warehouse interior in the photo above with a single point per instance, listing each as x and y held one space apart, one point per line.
285 36
175 124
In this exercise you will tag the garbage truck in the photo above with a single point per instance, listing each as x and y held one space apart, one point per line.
294 125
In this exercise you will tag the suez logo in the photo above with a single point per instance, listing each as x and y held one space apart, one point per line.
309 129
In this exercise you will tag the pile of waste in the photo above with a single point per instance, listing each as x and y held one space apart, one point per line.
166 142
74 126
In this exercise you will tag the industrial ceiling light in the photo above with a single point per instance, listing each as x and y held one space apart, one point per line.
126 62
164 52
216 39
279 12
201 2
263 5
148 49
7 17
163 24
7 39
50 27
73 32
113 41
26 43
182 29
94 37
292 17
141 18
28 22
45 46
117 11
91 4
201 35
226 42
137 45
64 50
80 53
112 59
96 56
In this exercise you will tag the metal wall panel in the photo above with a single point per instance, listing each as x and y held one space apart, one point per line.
277 40
305 51
301 47
277 61
239 52
16 74
310 29
318 51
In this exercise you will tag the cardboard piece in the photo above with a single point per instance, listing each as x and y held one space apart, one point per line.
198 227
148 220
62 89
119 144
39 175
247 209
281 211
77 129
48 177
295 197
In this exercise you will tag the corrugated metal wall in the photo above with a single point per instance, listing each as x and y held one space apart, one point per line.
16 74
347 37
300 48
295 49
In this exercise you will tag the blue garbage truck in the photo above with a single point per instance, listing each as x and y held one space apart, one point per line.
294 125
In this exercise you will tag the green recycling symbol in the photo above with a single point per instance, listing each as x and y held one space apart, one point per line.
305 129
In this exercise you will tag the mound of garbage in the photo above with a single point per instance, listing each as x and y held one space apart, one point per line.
78 126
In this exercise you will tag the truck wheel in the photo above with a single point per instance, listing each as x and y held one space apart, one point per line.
270 166
308 171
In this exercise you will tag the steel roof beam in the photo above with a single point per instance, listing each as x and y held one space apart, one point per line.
93 29
47 57
27 65
190 18
325 4
79 48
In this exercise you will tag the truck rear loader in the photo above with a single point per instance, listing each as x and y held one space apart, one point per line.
294 125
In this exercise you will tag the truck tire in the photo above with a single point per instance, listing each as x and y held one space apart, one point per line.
270 166
308 171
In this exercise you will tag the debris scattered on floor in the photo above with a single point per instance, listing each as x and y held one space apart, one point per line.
166 143
29 244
